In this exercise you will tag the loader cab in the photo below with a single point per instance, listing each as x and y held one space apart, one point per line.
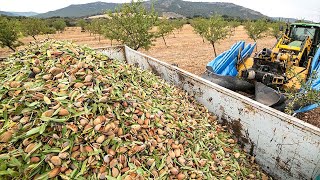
299 31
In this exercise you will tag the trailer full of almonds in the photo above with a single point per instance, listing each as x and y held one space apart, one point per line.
68 112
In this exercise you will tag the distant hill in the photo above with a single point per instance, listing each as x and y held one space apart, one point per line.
290 20
80 10
26 14
6 13
205 9
178 7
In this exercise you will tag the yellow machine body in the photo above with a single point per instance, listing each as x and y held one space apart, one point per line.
288 55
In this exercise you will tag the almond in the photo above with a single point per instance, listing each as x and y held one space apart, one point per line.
63 112
5 137
48 113
115 172
78 85
36 70
181 176
100 139
35 159
113 163
54 172
55 160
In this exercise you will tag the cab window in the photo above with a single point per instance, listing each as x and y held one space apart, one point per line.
300 33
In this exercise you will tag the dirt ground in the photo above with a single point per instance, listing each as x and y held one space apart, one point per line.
185 48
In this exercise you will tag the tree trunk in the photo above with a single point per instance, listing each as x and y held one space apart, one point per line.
111 42
34 37
99 37
214 49
256 46
12 48
202 39
164 41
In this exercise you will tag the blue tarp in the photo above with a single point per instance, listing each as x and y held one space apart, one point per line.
225 63
315 83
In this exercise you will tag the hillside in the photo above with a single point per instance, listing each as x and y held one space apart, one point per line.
205 9
6 13
178 7
80 10
27 14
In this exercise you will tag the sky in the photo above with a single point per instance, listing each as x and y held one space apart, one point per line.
300 9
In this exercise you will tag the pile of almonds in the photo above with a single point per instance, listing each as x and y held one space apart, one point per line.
68 112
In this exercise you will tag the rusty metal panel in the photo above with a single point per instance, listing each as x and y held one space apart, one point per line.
284 146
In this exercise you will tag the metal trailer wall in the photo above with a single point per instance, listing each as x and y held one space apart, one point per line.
284 146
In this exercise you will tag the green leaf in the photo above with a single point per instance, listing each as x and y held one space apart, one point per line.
34 104
15 162
46 100
33 131
110 178
83 168
43 128
140 171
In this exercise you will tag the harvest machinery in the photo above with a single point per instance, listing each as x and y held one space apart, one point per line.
292 61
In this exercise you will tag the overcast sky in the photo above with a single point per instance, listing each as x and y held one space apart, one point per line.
301 9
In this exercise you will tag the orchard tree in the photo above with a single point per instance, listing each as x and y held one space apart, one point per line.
97 27
216 29
59 25
82 23
178 24
89 27
107 33
275 29
33 27
49 30
9 34
256 30
233 25
165 27
199 26
131 24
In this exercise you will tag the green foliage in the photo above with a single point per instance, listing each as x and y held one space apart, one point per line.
49 30
131 25
233 25
213 30
256 30
165 27
199 25
306 96
59 24
82 23
178 24
33 27
97 26
275 29
9 34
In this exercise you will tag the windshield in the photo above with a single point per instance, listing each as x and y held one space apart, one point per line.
300 33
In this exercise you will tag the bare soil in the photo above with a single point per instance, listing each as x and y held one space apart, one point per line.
312 117
185 49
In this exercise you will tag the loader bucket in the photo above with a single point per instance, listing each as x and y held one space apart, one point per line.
267 96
